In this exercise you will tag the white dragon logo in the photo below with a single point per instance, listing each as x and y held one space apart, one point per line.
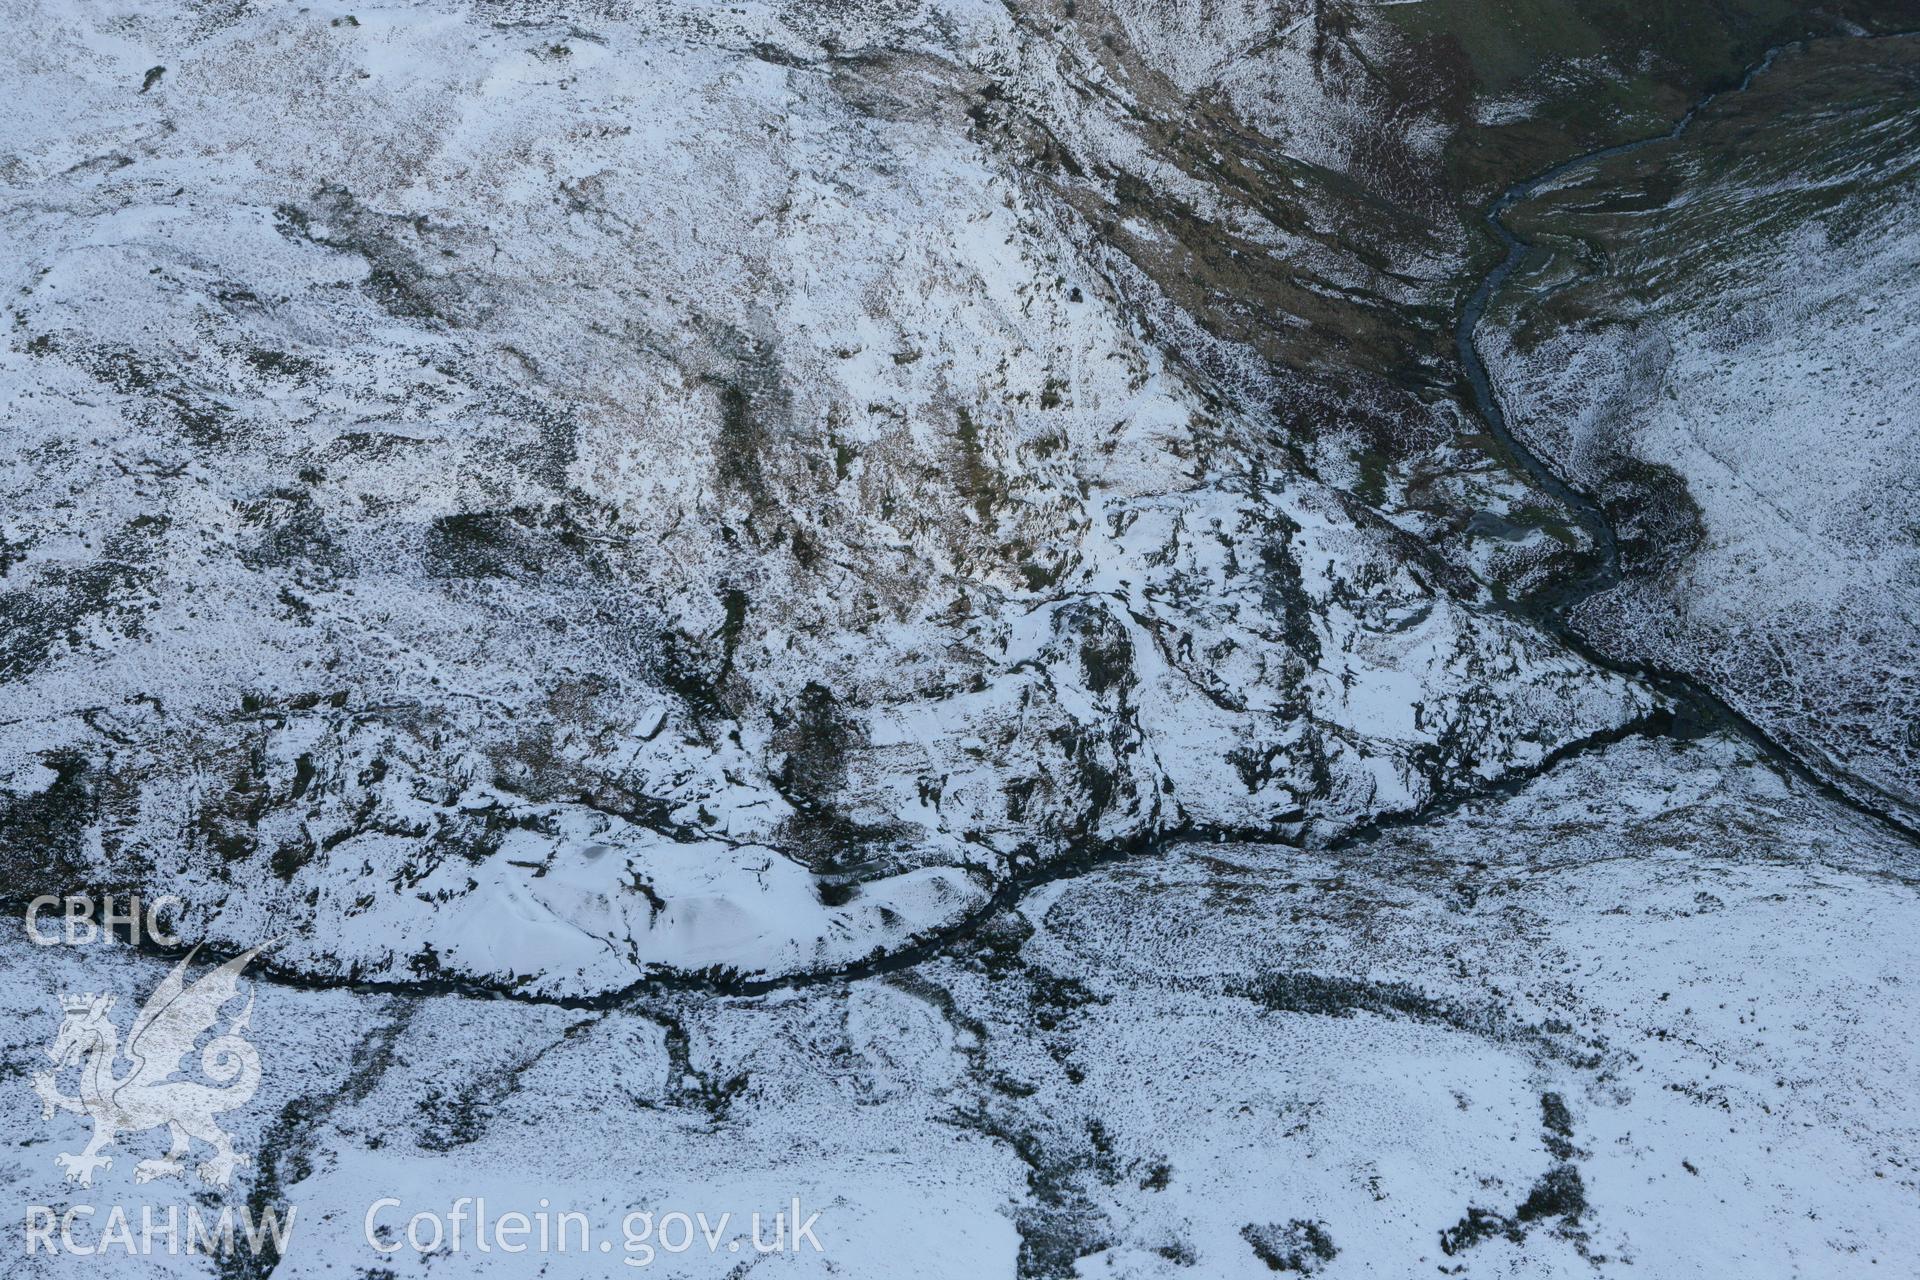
147 1096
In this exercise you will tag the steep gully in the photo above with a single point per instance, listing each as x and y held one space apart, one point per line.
1691 709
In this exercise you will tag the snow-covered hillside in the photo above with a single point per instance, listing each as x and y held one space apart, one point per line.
540 502
1729 354
903 608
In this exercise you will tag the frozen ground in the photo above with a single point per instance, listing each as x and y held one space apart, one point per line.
496 512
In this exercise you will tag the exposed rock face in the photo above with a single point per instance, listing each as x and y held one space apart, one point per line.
536 501
1720 337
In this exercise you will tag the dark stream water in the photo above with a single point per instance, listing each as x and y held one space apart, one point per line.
1697 708
1693 710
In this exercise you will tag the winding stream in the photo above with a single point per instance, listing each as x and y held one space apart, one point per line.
1697 707
1588 512
1693 709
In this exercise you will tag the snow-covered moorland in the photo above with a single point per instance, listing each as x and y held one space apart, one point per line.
901 611
1650 1015
1721 336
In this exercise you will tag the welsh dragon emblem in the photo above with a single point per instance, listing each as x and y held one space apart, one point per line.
150 1093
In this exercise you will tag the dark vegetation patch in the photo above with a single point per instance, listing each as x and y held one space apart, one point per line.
1106 652
1284 593
281 364
1559 1193
975 481
478 544
162 399
1061 1224
1336 997
397 249
1556 1125
1300 1246
60 602
1655 518
287 1146
819 739
43 833
292 532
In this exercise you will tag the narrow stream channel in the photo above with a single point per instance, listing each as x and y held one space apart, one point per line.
1698 709
1585 510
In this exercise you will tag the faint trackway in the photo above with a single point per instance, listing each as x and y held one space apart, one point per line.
1693 711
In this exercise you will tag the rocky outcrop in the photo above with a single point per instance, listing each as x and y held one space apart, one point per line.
543 502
